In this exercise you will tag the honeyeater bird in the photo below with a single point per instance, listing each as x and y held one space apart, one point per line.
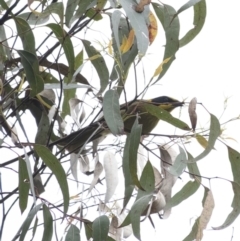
129 111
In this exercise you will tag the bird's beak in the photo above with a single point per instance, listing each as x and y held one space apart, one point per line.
177 103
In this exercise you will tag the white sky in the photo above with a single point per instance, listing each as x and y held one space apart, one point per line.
207 68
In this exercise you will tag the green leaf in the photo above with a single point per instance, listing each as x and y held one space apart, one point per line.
171 27
23 185
26 35
4 4
193 169
138 22
164 115
54 165
88 229
79 59
129 185
188 190
111 112
4 47
43 130
31 67
66 43
73 233
179 164
70 9
33 19
56 8
83 6
98 63
48 224
26 224
147 181
187 5
115 21
94 14
138 207
234 158
214 133
200 14
100 228
235 205
134 141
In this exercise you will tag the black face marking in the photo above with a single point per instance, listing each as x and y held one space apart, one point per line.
162 99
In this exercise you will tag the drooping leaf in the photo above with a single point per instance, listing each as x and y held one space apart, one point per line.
94 14
215 132
134 140
26 224
31 67
100 228
73 233
129 184
200 13
122 63
138 207
202 140
192 113
98 63
139 25
23 184
115 21
205 215
142 200
187 5
66 43
165 116
70 9
26 35
48 224
43 130
34 19
159 69
111 111
188 190
54 165
180 163
171 27
235 205
83 6
111 174
234 158
4 47
192 235
88 230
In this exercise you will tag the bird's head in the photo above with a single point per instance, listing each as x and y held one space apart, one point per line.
166 103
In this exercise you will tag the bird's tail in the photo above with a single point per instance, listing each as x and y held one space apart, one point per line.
78 139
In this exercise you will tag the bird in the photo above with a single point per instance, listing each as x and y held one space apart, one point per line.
76 140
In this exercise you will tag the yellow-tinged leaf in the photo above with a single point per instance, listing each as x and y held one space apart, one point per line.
205 215
94 57
202 141
110 51
127 42
152 27
159 68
